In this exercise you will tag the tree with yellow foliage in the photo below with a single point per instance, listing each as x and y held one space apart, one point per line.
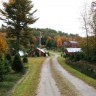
59 41
3 44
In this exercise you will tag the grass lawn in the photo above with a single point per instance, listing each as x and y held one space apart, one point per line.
29 84
89 80
57 52
7 85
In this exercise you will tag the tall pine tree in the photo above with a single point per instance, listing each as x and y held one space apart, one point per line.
17 14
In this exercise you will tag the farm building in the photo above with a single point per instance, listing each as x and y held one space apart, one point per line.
72 50
37 52
72 44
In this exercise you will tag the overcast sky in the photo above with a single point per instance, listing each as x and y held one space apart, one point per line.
61 15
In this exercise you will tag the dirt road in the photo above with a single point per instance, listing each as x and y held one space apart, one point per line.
47 86
69 85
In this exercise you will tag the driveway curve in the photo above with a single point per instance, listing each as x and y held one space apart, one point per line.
83 88
48 84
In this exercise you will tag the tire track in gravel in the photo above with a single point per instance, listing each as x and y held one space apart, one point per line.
80 86
47 85
66 88
62 83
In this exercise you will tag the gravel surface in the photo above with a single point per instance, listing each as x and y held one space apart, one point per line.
66 88
68 85
83 88
47 86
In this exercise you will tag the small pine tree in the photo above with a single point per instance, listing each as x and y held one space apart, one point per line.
7 66
8 57
25 59
17 64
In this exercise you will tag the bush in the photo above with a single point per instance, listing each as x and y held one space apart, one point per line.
25 59
71 57
2 69
7 66
48 53
76 56
93 58
17 64
8 57
1 57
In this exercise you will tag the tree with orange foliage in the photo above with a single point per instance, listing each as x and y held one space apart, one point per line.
59 41
3 44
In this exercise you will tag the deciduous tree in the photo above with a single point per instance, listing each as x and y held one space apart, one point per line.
3 44
59 41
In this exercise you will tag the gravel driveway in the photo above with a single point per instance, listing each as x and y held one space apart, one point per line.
48 85
83 88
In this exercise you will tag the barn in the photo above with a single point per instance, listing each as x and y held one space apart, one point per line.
72 44
37 52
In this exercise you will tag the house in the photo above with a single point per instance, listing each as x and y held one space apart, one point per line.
37 52
72 44
72 50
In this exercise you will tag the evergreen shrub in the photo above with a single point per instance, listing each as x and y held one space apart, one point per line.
17 64
25 59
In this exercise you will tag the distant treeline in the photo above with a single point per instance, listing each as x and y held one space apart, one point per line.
30 38
50 32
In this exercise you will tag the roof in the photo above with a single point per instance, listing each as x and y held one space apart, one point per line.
73 42
21 53
41 50
65 43
73 50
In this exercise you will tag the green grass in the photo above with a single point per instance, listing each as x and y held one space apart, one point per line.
55 52
51 54
30 82
9 82
89 80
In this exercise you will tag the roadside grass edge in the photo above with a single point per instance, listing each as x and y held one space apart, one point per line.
27 86
90 81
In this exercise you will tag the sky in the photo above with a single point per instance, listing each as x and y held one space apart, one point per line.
61 15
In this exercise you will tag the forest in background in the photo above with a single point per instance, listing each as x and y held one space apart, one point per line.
30 38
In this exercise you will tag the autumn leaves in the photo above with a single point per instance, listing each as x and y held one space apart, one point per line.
3 44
